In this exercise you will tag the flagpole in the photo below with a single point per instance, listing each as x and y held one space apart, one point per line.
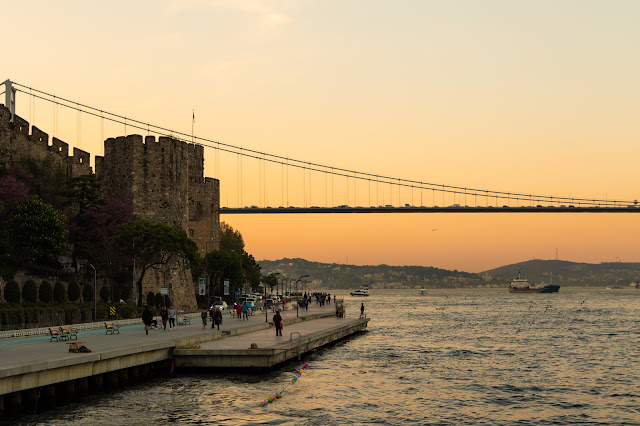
193 122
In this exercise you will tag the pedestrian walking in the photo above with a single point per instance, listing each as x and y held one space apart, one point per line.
361 310
164 315
146 319
245 311
172 318
239 311
217 318
204 315
277 320
212 312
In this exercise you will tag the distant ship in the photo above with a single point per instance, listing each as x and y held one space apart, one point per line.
521 285
362 291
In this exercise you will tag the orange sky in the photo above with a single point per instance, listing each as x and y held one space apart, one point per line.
533 96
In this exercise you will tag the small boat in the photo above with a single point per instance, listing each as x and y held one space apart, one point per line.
360 292
635 284
521 285
423 292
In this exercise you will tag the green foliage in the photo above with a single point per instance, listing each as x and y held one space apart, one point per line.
151 299
87 292
12 292
74 291
83 192
159 300
30 291
230 239
45 292
116 292
104 294
153 244
125 291
59 292
37 233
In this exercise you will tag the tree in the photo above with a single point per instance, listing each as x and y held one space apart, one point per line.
151 299
224 264
45 292
87 293
30 291
159 300
230 239
59 292
12 292
37 233
83 192
104 294
152 245
74 291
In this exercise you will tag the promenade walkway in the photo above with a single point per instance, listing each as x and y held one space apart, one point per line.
26 351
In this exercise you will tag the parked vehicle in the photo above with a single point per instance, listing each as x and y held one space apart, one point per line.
222 305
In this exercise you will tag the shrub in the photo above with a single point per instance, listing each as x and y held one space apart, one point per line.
59 292
87 293
30 291
45 292
104 294
12 292
115 290
159 300
125 292
73 291
151 299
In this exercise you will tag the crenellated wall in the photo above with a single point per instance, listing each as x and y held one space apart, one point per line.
17 143
162 179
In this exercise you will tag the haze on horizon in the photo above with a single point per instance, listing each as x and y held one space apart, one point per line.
534 97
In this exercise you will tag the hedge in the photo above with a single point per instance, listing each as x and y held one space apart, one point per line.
30 291
73 291
12 292
59 292
45 292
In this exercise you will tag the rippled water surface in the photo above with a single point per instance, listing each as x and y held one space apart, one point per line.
450 357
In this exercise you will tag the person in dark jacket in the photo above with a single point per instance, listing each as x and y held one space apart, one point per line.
277 320
217 318
164 314
146 319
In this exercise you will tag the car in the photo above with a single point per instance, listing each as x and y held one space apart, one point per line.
222 305
251 304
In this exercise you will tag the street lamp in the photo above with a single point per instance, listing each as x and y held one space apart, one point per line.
303 276
94 293
267 282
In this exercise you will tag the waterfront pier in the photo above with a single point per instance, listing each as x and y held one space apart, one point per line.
37 372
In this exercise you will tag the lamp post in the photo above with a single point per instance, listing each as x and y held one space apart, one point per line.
268 282
94 293
303 276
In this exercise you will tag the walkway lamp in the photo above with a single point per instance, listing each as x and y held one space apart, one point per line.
94 294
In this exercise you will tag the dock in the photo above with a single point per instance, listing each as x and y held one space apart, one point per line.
33 368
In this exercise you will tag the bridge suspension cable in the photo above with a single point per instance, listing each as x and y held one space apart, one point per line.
306 165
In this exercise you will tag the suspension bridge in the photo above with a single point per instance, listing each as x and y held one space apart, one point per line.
269 183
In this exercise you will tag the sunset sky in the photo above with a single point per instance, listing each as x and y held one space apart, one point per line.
537 97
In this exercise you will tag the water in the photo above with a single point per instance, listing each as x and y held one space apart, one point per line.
450 357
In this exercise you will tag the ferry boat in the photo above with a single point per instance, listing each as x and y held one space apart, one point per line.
521 285
362 291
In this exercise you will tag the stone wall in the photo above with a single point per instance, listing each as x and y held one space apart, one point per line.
16 143
163 180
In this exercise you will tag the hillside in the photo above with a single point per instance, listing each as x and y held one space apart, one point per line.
340 276
568 273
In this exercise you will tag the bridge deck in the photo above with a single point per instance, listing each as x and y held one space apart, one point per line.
506 209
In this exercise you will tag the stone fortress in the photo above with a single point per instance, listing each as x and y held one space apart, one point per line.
162 179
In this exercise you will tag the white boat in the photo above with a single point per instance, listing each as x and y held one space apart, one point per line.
423 291
360 292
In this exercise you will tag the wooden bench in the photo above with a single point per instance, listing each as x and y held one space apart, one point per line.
68 333
55 334
111 327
